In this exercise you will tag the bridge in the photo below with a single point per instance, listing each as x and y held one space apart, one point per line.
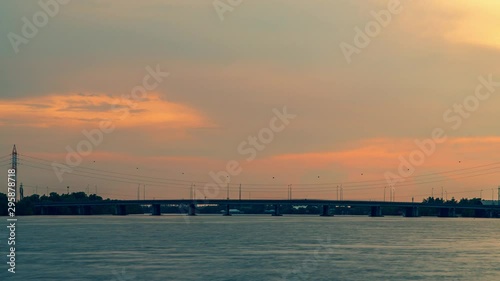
409 209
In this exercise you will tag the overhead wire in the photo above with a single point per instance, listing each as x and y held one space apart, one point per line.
344 183
165 182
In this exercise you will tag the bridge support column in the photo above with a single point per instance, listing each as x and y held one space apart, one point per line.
277 210
227 212
84 210
121 210
447 213
410 212
326 211
156 210
192 210
44 211
376 211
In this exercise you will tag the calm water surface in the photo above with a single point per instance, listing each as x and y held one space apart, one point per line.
248 247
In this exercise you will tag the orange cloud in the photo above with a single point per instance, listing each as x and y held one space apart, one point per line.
79 109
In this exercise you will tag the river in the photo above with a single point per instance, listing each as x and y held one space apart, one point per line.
245 247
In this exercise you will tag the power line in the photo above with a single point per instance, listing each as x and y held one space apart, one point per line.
112 172
363 184
185 186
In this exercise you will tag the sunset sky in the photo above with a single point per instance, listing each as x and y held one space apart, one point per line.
354 119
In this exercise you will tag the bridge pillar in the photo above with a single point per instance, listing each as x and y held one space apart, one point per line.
227 212
84 210
376 211
277 210
156 210
121 210
410 212
326 211
192 210
446 213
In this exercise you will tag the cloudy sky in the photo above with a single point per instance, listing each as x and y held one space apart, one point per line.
427 67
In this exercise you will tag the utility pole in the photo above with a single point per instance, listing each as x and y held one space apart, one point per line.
442 193
14 167
337 193
144 192
498 194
